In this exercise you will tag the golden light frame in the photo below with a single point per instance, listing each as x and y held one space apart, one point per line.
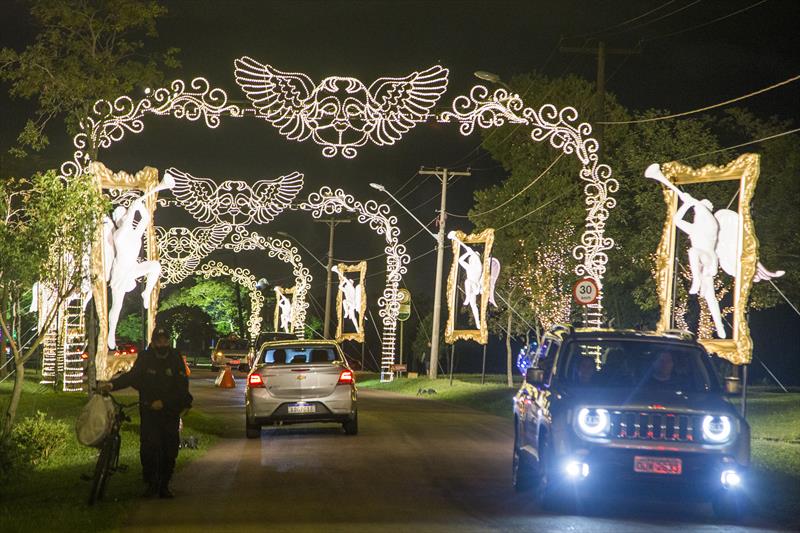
745 169
341 335
480 335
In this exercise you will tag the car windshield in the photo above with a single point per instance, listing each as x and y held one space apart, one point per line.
299 355
232 344
634 364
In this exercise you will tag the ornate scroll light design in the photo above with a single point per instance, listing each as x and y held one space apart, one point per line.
285 300
242 276
486 288
745 169
561 129
354 297
281 249
234 201
340 113
377 216
109 121
182 249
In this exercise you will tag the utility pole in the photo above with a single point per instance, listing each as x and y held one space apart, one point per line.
443 174
332 224
601 51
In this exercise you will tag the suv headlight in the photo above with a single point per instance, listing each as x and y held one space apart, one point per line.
717 429
594 422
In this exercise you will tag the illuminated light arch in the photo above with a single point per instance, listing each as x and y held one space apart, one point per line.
378 218
242 276
562 129
182 249
281 249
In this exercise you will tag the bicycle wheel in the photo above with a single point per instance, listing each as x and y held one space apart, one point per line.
101 471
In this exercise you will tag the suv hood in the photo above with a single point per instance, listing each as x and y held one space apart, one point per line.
644 398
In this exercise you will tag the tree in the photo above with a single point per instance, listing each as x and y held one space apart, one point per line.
46 227
189 323
85 50
216 296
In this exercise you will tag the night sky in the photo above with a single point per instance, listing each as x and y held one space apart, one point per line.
367 40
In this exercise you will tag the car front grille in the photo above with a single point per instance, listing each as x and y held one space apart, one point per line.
659 426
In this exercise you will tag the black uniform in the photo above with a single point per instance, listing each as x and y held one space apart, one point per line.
158 374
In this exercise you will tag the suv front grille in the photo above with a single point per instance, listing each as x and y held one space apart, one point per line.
660 426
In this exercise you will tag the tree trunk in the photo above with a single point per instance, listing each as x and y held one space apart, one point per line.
13 404
508 351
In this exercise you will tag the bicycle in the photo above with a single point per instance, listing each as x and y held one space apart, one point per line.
108 460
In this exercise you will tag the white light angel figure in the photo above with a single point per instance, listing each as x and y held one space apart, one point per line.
714 244
122 243
471 262
351 298
284 309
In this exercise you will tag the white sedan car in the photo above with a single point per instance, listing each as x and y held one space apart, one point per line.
301 381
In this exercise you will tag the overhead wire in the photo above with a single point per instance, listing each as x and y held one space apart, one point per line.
417 258
706 108
534 210
623 23
382 253
662 17
708 23
754 141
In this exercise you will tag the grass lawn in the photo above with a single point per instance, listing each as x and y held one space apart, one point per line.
774 419
53 493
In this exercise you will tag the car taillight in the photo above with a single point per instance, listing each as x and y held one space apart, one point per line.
255 381
85 356
347 377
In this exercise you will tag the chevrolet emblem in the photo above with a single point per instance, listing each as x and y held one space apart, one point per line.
301 377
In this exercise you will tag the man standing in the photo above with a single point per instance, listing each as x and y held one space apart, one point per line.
159 375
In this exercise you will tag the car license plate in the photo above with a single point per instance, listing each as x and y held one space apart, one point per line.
235 362
657 465
302 409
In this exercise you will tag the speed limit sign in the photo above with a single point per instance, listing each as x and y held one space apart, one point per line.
585 291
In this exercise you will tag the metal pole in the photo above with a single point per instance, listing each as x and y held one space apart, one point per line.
143 317
362 354
437 293
744 391
452 356
401 341
483 365
329 282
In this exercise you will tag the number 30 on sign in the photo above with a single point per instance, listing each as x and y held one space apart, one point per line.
585 291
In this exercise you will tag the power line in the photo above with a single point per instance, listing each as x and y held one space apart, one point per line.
529 213
704 24
707 108
624 22
382 253
528 186
662 17
415 259
754 141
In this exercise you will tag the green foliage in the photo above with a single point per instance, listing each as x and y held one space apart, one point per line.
37 438
84 51
421 345
130 327
217 297
313 327
189 323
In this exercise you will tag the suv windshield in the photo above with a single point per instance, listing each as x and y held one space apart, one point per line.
637 364
229 344
299 355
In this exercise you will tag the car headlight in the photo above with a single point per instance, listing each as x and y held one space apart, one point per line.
717 429
594 422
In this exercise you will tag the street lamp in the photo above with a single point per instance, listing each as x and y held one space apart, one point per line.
379 187
309 252
491 77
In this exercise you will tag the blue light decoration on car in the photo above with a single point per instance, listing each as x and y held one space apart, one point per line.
525 357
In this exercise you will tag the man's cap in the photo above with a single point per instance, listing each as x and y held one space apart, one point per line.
160 332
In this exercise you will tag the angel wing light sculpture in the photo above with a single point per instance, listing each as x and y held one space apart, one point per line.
340 113
235 202
181 249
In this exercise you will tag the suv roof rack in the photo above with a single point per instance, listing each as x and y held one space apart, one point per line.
567 328
681 333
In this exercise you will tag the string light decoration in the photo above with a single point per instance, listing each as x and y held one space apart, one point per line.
242 276
282 249
563 131
182 249
327 202
234 201
340 113
109 121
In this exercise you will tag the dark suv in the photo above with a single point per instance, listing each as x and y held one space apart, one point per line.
610 411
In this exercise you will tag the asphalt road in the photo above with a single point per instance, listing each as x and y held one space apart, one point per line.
416 465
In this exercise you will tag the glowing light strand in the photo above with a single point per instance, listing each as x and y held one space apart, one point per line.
242 276
378 217
182 249
281 249
560 127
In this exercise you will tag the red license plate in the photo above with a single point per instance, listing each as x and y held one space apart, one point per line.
657 465
235 362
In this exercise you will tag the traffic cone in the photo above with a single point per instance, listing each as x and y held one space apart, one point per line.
225 379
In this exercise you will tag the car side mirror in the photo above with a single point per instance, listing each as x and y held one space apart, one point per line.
534 376
733 386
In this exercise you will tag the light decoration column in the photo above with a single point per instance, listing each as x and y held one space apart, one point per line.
327 202
561 128
281 249
242 276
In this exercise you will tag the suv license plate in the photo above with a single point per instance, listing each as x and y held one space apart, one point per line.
657 465
302 409
235 362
